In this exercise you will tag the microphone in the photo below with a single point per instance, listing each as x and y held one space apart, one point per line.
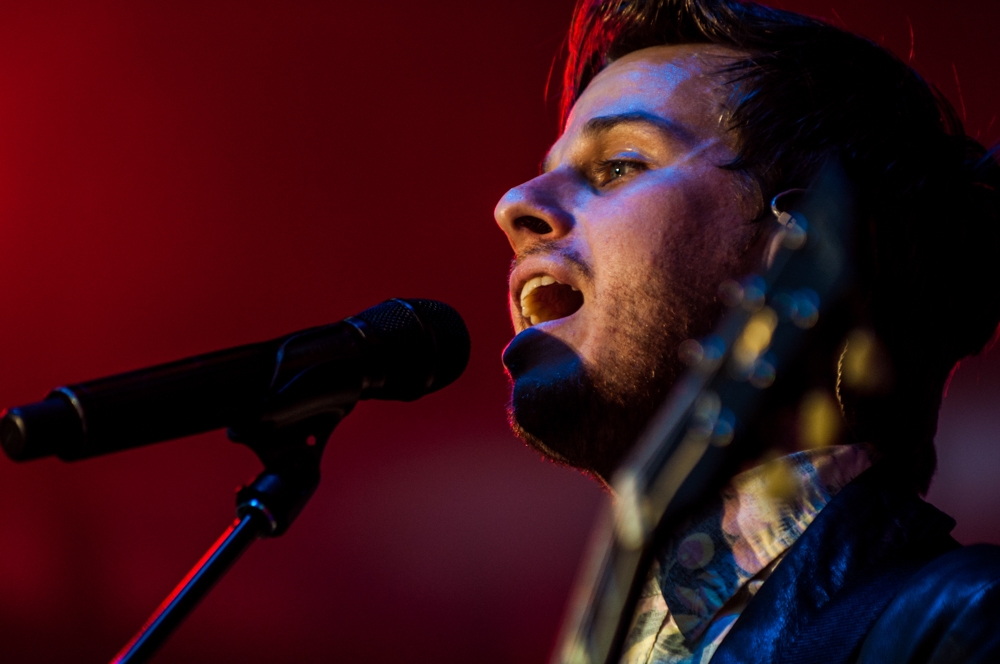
396 350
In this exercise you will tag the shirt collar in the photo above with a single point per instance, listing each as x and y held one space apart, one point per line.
756 517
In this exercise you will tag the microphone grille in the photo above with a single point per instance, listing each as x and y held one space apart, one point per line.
451 338
389 318
425 346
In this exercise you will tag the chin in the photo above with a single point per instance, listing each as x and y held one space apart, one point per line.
567 411
587 409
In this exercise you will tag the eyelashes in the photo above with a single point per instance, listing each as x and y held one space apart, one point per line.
610 171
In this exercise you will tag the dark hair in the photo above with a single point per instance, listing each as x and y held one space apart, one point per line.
929 195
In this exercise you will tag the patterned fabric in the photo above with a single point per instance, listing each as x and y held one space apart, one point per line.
708 571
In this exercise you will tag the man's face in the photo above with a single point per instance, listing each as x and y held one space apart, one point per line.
620 246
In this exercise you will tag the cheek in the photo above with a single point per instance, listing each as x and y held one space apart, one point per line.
650 227
711 221
683 227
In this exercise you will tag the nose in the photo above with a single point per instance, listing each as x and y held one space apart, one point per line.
534 212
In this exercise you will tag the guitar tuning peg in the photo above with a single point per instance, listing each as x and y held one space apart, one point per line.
820 420
864 364
754 340
731 293
703 355
801 307
754 291
764 372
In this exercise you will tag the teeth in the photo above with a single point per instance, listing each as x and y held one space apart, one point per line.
532 284
537 313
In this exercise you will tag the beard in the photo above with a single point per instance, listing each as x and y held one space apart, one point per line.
589 414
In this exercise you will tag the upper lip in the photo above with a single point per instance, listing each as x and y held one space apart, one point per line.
537 266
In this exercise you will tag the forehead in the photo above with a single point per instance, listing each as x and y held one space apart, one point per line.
676 83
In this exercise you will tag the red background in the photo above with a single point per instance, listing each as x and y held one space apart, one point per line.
180 177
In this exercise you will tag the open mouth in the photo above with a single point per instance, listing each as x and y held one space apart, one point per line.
544 299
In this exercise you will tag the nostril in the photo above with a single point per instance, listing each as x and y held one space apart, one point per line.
533 224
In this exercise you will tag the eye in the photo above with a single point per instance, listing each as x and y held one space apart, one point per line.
615 169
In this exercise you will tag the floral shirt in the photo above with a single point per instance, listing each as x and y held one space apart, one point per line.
712 567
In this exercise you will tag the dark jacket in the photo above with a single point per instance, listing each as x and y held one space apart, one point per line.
875 579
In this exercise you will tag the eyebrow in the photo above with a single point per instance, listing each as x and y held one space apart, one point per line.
596 127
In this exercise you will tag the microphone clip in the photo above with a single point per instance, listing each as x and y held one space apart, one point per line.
291 458
312 390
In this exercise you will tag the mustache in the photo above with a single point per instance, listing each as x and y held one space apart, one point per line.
566 253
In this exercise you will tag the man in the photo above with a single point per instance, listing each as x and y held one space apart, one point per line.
682 120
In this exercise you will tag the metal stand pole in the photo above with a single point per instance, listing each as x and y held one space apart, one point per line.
264 508
192 588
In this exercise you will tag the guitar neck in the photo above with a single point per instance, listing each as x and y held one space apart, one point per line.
698 438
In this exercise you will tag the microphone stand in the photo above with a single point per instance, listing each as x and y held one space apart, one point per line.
264 508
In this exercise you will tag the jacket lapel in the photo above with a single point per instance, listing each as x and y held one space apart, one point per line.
839 576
